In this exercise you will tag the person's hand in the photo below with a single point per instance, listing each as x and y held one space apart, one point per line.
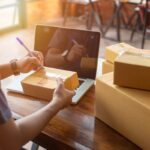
76 52
38 55
62 97
33 61
27 64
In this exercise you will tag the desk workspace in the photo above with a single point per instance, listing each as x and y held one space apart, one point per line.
74 127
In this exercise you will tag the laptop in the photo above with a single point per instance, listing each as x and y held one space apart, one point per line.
68 49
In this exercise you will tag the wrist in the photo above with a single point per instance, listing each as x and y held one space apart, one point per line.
56 103
14 67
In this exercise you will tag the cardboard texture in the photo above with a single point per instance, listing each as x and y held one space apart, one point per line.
107 67
42 83
124 109
132 70
113 51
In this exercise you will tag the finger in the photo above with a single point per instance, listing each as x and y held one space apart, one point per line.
72 92
79 46
33 62
31 54
36 54
28 68
30 59
60 82
40 57
79 49
79 54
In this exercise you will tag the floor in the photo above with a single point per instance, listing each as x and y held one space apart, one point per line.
8 42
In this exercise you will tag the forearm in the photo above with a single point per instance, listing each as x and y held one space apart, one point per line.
5 71
19 132
31 126
54 60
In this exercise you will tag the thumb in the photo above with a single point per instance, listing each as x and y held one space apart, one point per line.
60 82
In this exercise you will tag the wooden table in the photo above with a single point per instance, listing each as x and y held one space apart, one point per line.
73 128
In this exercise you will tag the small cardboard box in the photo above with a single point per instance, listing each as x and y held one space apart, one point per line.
115 50
107 67
42 83
132 70
124 109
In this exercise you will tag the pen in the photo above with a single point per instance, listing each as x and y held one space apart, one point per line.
75 42
20 42
26 48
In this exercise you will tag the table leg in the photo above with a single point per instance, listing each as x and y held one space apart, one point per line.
117 16
118 23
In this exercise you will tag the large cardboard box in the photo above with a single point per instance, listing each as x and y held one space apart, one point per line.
107 67
132 70
42 83
124 109
115 50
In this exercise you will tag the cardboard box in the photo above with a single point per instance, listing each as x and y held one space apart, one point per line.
42 83
124 109
132 70
107 67
115 50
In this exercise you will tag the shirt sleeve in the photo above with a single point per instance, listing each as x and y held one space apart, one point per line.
5 112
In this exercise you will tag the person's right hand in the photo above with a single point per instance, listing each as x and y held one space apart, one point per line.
28 63
62 97
75 53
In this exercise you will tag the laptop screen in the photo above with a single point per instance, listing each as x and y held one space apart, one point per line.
69 49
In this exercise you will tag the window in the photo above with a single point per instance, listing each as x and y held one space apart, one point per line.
10 14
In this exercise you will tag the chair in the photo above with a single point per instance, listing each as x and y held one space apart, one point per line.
88 12
142 20
146 21
135 13
118 16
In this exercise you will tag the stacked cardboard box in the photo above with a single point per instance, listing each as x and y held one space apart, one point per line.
133 70
42 83
126 109
112 52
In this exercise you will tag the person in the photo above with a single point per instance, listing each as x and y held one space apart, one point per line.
14 134
67 48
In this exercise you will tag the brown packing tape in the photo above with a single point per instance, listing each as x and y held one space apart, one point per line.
140 54
115 50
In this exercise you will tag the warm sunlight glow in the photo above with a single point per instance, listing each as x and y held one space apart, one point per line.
8 13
